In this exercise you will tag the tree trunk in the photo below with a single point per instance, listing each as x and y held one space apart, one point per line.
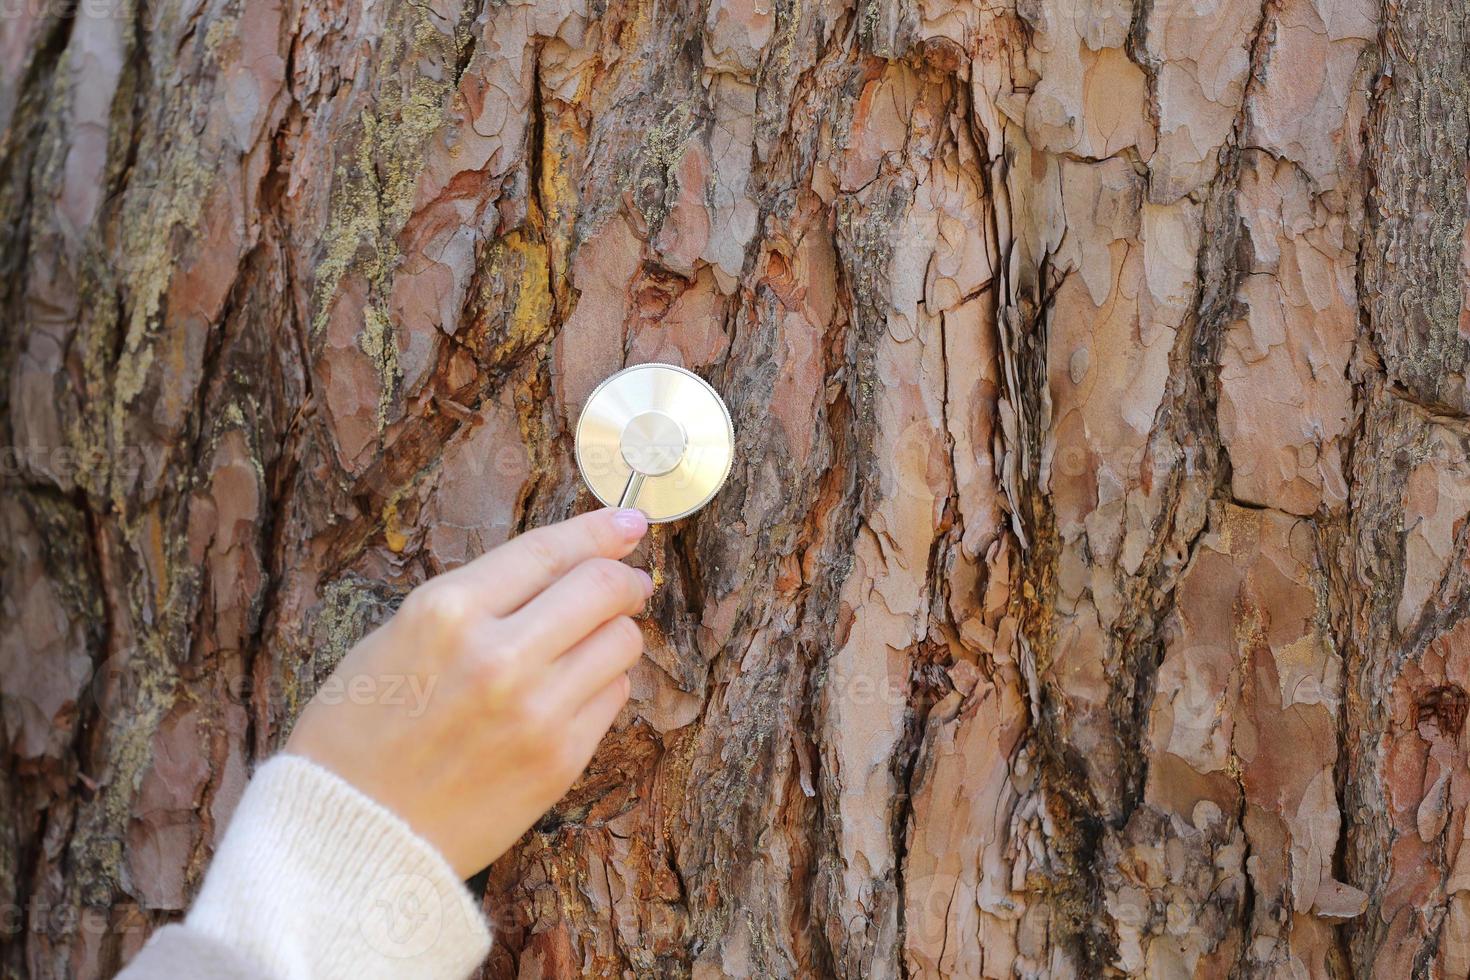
1089 596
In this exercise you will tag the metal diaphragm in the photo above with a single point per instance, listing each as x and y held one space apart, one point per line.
655 437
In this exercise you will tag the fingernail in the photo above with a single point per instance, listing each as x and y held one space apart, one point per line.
647 581
630 521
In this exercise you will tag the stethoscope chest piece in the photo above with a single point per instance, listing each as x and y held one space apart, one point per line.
655 437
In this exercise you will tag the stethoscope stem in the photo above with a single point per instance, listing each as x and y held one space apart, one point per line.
630 492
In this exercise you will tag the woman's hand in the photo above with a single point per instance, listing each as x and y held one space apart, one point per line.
507 671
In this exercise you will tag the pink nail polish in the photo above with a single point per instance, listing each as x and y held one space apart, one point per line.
647 582
631 522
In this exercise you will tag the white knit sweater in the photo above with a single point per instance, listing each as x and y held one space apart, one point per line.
315 880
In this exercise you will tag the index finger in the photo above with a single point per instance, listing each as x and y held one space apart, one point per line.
516 572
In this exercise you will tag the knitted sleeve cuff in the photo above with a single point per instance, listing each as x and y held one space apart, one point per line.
315 880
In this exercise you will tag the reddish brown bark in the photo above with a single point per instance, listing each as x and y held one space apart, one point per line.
1089 594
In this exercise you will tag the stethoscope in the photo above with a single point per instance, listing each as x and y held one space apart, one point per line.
655 437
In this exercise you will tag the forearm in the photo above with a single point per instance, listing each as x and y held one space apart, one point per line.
314 880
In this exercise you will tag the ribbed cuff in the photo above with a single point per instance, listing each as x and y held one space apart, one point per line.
316 880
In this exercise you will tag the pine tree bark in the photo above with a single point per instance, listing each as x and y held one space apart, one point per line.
1089 597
